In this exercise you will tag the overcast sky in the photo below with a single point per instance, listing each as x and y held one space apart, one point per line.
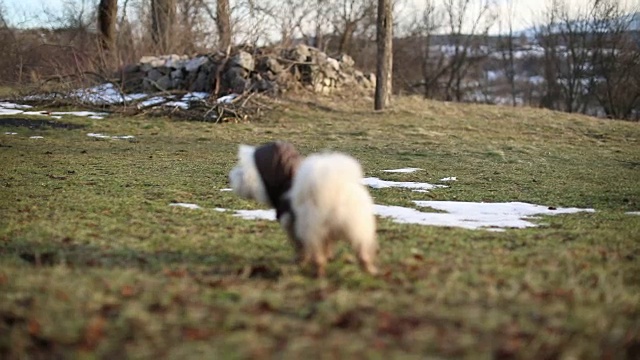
526 13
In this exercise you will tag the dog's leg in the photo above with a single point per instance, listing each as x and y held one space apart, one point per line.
288 224
363 241
320 261
329 244
367 262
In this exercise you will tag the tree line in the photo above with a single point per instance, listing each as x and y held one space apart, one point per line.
572 59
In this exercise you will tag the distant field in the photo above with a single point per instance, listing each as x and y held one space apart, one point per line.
94 263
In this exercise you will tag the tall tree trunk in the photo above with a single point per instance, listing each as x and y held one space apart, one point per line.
384 41
223 22
162 17
107 11
346 37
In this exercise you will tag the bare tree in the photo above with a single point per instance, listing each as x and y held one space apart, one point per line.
162 18
348 16
467 43
286 17
615 60
384 72
506 47
107 12
433 64
223 23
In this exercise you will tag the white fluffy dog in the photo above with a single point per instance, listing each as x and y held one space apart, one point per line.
318 200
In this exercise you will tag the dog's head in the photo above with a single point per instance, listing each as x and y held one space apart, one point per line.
244 178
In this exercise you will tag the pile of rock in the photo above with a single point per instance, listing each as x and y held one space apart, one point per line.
245 69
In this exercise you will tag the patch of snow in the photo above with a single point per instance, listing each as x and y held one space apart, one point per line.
227 99
256 214
4 111
195 96
179 104
466 215
452 178
151 101
633 213
186 205
36 137
102 136
10 133
473 215
80 113
376 183
404 170
226 189
8 105
105 94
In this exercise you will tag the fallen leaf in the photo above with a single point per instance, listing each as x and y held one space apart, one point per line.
94 331
196 333
34 327
127 291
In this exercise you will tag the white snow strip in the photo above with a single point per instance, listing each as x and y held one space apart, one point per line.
10 133
466 215
633 213
80 113
472 215
226 189
195 96
376 183
8 105
256 214
227 99
404 170
452 178
186 205
36 137
179 104
105 94
151 101
4 111
102 136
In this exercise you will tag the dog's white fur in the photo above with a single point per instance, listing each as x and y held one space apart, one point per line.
328 201
244 178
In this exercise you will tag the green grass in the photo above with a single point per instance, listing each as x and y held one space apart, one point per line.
95 264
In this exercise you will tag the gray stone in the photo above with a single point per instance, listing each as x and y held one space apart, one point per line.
274 65
195 63
154 75
164 83
244 60
202 83
347 60
301 53
334 64
177 75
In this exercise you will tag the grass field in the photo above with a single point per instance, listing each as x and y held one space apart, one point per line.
94 263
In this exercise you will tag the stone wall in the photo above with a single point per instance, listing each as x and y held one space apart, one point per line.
259 70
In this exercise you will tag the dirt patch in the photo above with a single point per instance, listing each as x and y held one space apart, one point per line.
37 124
